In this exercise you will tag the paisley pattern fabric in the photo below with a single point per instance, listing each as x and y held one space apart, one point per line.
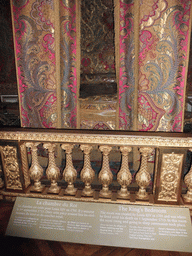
164 32
163 47
35 43
162 35
35 56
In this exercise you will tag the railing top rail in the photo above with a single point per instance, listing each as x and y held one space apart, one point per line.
114 138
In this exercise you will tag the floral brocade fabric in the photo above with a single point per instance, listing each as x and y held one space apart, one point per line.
35 56
163 48
35 45
164 32
151 94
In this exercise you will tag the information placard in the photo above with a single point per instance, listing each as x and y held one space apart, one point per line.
134 226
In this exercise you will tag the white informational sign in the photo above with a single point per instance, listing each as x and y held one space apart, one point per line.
133 226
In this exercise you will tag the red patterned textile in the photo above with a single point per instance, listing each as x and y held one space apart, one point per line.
35 45
35 57
164 34
154 96
163 56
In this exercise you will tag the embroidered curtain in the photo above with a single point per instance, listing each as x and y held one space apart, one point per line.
154 50
45 36
151 55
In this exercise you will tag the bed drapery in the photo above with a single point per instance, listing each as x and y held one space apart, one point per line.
151 54
45 35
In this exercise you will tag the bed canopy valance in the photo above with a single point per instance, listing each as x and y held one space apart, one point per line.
151 45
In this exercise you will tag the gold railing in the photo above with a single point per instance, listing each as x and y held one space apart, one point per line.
22 175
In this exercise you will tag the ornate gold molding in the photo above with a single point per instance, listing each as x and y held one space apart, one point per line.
11 167
105 139
170 176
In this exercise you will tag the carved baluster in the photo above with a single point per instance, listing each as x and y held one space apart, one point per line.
87 174
124 176
143 178
52 171
105 175
69 174
35 171
188 182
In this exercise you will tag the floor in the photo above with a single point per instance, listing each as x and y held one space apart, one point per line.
22 246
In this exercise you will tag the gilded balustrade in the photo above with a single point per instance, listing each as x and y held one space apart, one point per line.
120 186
